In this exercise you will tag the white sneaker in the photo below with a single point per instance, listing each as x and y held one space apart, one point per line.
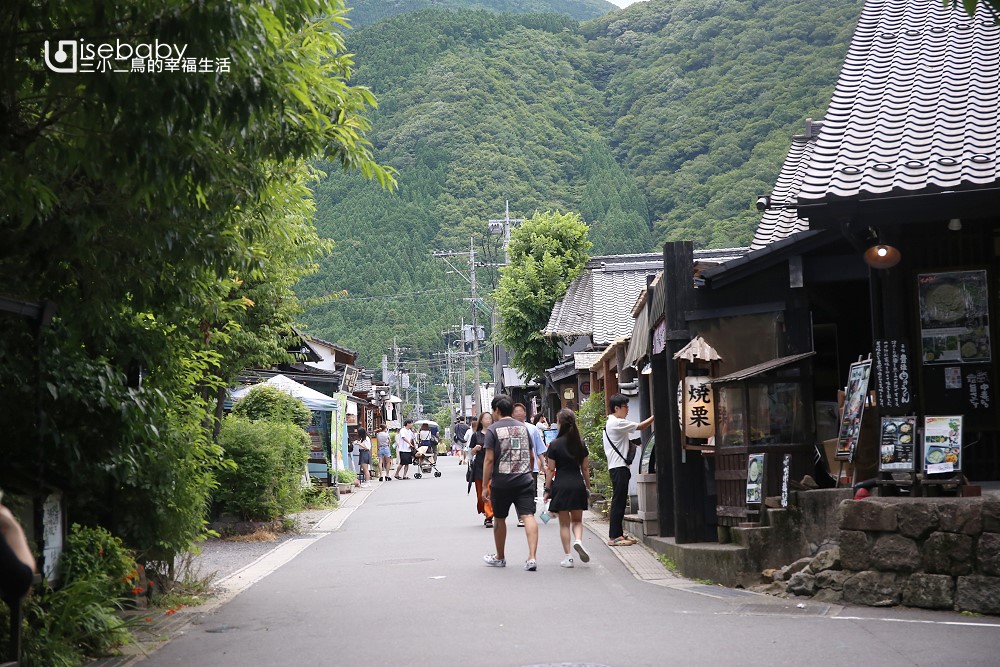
566 562
530 565
584 556
493 561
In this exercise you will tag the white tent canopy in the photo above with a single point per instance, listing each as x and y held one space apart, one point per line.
313 399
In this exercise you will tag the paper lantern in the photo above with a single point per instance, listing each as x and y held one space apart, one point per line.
699 407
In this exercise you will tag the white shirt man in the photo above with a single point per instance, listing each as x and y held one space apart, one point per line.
618 430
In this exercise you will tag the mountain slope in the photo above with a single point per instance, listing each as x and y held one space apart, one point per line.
367 12
660 121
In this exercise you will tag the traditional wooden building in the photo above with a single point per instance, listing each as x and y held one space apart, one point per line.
881 240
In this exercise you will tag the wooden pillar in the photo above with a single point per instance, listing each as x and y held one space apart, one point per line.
664 459
690 490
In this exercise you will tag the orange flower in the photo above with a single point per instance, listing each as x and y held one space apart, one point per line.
149 619
170 612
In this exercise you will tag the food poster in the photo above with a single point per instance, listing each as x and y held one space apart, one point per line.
755 478
854 405
942 444
954 317
896 445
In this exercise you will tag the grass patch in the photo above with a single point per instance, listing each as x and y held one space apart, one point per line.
971 613
259 535
668 563
189 588
706 582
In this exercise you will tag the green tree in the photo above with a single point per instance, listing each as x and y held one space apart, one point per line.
165 216
546 253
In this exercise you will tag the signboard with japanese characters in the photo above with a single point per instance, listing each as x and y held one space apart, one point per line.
892 375
979 389
897 441
699 411
942 444
854 406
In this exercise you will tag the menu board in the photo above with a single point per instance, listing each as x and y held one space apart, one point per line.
954 317
892 374
942 444
897 440
755 478
854 406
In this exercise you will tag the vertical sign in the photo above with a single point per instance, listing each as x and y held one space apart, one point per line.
892 374
854 406
755 478
786 469
896 443
942 444
52 535
699 412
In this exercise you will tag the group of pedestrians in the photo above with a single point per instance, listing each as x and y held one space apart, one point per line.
507 456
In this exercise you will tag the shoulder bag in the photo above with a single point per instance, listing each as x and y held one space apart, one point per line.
633 446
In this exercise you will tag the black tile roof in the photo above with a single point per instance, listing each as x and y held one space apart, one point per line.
916 108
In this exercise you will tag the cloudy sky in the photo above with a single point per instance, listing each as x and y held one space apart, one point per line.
624 3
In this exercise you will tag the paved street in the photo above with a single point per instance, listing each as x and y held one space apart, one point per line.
395 577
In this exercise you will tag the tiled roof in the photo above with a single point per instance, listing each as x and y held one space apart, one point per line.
573 316
614 294
916 108
781 219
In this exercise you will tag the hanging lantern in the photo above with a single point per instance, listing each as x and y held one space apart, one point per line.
699 408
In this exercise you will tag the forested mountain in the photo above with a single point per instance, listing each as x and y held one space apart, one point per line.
660 121
366 12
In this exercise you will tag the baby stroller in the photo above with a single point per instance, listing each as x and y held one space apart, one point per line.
425 457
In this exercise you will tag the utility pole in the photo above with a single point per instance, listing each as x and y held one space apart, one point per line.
476 397
503 226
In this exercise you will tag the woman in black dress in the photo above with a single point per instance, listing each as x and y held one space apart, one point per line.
569 491
477 438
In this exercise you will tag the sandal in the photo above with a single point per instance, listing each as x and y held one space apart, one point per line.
397 477
621 542
488 523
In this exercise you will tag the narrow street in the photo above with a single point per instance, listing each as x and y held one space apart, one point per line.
398 579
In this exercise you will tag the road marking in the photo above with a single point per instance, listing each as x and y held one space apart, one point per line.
914 620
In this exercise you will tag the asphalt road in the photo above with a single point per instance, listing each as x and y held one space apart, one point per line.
401 582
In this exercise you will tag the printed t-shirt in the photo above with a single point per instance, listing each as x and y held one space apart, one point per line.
511 444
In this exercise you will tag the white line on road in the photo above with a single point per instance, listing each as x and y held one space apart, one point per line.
914 620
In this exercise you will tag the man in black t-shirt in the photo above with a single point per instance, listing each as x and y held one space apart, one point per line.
461 428
507 480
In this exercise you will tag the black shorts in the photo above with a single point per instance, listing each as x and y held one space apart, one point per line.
405 458
522 498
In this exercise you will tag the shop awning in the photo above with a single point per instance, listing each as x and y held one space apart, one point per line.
313 399
638 347
698 349
760 369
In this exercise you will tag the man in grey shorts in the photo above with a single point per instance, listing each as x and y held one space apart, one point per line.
507 480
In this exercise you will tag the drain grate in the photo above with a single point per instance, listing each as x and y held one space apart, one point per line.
401 561
765 609
219 629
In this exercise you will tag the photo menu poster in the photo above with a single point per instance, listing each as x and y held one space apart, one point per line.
942 444
954 317
854 405
897 440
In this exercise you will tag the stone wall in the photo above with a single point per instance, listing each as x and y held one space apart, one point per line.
934 553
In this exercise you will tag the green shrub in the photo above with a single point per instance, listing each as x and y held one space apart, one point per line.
268 403
270 460
318 496
346 476
591 419
62 627
94 553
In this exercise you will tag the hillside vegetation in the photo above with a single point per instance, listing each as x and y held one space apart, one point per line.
661 121
366 12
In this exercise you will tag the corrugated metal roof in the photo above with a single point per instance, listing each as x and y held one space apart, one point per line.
782 219
916 107
762 368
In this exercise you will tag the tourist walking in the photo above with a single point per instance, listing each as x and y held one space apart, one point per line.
364 445
477 455
404 448
616 435
459 439
567 484
537 446
384 453
507 480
